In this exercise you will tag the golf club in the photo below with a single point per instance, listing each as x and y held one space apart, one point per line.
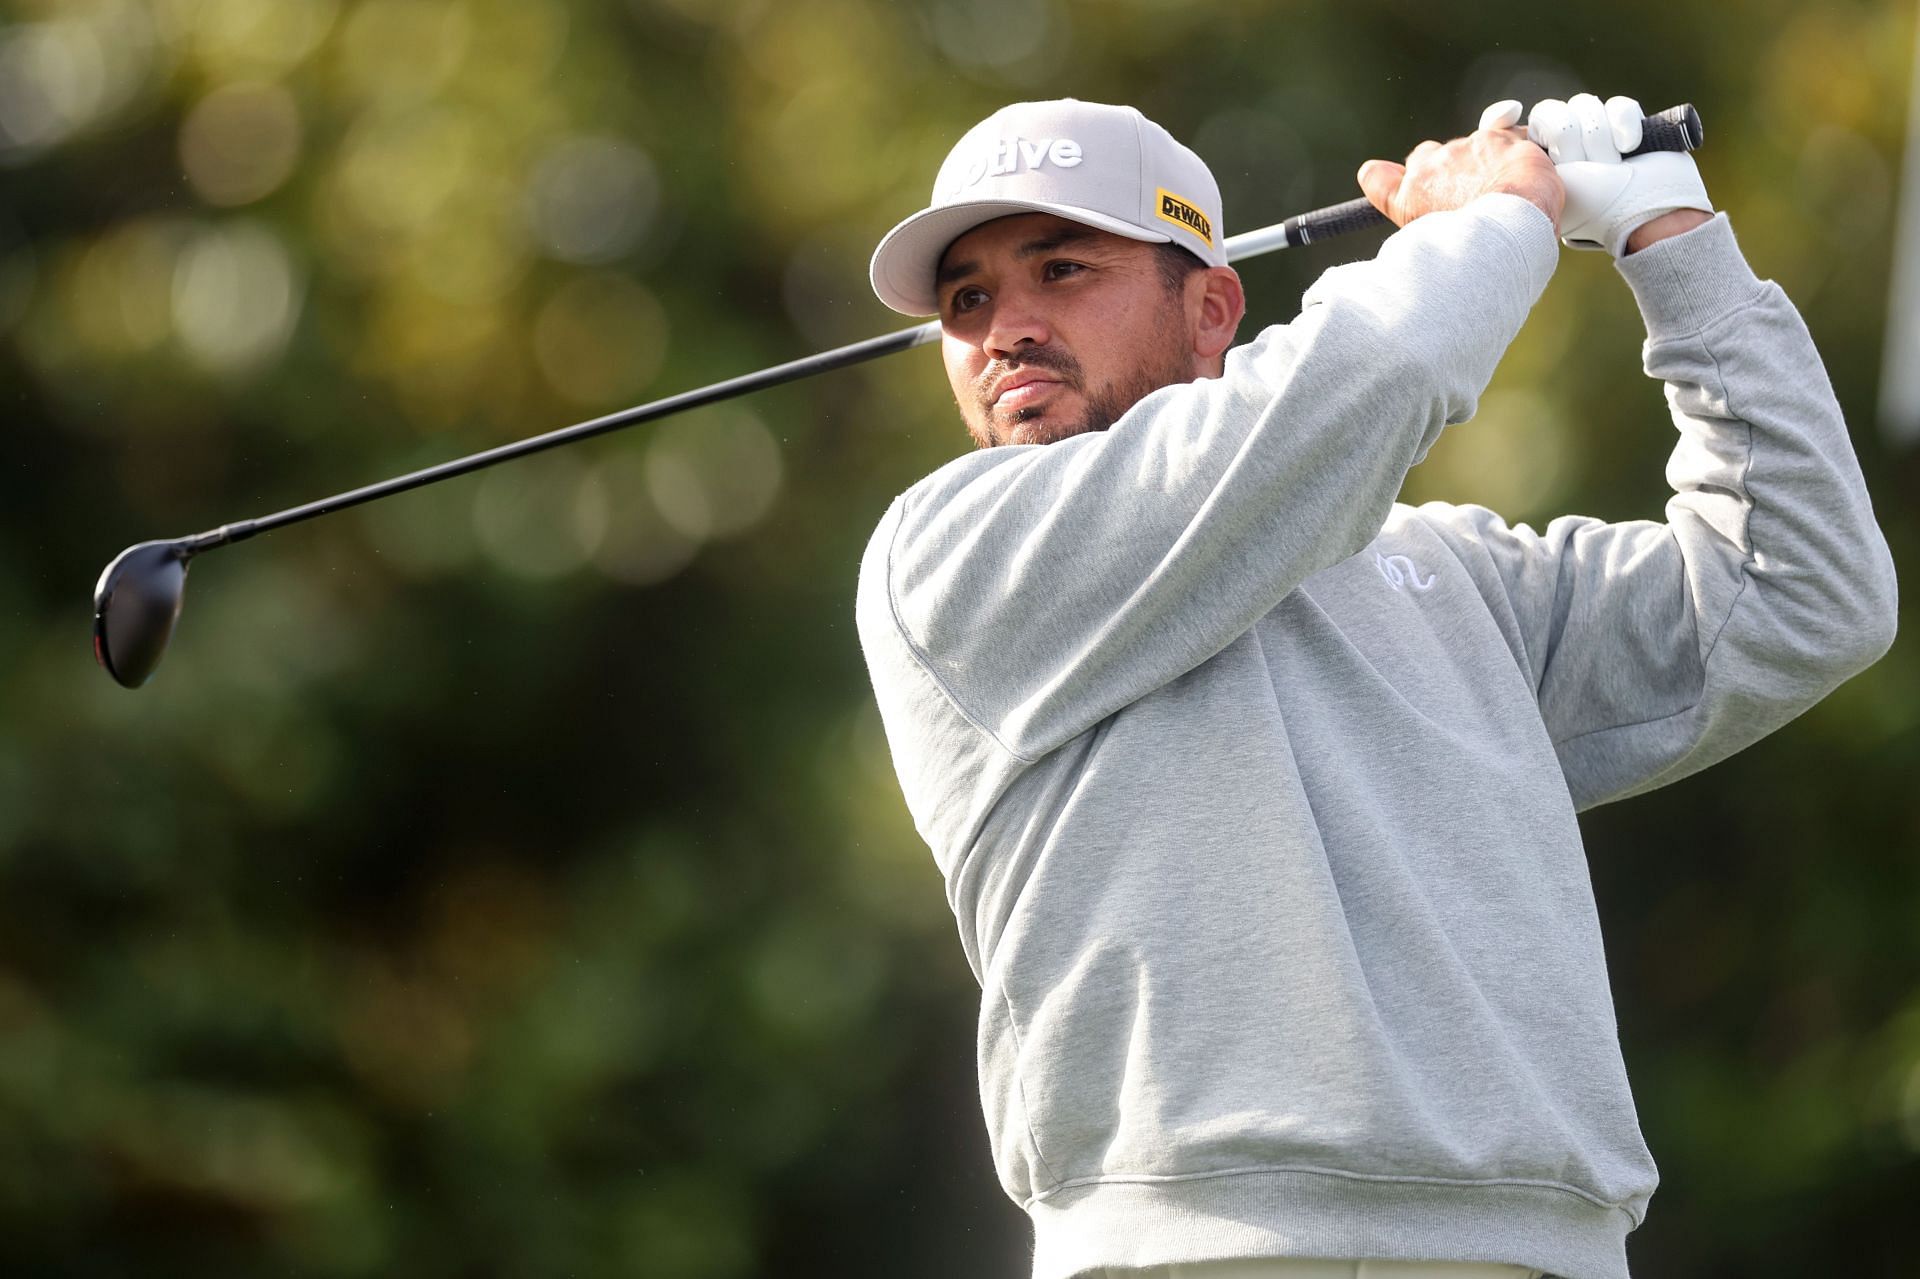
136 602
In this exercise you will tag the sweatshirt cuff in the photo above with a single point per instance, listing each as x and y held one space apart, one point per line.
1688 281
1528 229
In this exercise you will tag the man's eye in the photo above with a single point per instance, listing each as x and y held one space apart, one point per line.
967 299
1057 270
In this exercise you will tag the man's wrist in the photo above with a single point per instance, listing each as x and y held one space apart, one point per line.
1667 225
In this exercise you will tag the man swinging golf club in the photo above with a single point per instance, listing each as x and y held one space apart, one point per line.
1254 790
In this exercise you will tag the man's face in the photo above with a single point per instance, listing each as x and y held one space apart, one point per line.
1051 328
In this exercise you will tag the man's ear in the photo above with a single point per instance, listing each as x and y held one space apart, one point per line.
1215 303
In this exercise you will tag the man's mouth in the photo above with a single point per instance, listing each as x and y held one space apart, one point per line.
1023 388
1022 391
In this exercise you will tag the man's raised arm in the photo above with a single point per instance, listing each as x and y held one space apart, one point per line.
1657 649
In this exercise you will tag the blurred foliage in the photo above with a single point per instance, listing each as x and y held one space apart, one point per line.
509 879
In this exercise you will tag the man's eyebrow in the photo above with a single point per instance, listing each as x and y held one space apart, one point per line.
953 271
1032 248
1048 243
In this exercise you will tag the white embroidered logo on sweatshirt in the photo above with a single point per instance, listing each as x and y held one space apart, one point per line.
1400 572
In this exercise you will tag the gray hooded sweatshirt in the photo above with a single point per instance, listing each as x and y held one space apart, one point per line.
1254 789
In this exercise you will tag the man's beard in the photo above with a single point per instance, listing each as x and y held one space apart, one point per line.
1103 409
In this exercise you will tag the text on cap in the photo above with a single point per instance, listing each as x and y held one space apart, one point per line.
1010 155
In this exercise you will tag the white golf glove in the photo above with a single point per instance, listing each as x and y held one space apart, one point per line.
1608 198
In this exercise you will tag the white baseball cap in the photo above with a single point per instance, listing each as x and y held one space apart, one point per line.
1106 166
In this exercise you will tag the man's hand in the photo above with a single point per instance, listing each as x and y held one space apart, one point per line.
1436 176
1611 201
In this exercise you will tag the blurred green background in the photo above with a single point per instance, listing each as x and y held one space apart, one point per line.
508 879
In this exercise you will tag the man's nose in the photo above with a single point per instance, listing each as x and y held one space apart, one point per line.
1017 322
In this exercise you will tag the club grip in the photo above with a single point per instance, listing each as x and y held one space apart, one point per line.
1335 219
1675 129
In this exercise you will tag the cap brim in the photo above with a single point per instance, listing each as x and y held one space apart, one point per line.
908 257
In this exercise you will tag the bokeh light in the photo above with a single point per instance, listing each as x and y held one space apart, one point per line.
121 295
397 172
713 474
541 517
446 359
246 38
236 296
514 46
51 81
240 142
600 338
400 52
640 546
590 199
475 259
59 77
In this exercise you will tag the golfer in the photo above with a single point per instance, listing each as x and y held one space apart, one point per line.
1254 789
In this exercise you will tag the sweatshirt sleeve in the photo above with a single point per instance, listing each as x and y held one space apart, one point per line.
1655 648
1042 588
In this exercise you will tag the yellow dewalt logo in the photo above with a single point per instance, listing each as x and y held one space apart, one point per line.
1182 214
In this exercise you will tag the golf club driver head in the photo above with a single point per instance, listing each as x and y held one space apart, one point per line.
135 605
